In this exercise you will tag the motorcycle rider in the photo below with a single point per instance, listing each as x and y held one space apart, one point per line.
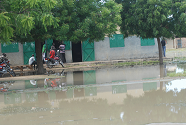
52 55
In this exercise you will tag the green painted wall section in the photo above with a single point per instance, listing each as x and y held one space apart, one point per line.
10 48
147 42
117 41
67 45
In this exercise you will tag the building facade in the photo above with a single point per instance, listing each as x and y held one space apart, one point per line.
113 48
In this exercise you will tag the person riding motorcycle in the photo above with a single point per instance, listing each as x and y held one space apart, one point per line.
52 55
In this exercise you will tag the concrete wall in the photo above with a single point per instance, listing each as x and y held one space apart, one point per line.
173 43
15 58
132 50
103 52
68 54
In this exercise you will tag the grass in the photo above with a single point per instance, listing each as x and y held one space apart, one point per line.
180 58
177 74
122 64
137 63
177 50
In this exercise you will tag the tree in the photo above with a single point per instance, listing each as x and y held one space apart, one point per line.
153 19
73 20
26 21
87 19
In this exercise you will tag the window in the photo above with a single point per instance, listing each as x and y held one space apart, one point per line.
10 48
147 42
117 41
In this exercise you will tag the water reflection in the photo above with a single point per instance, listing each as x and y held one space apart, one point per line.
176 85
103 97
137 104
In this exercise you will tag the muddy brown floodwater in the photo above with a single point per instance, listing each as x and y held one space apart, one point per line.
110 96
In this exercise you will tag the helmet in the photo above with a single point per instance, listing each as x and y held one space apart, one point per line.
4 54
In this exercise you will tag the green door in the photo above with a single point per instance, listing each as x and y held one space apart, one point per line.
28 50
88 51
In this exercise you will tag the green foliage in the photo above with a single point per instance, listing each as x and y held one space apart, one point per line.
67 20
6 31
153 18
87 19
72 20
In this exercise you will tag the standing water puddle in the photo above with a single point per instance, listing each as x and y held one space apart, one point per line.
113 96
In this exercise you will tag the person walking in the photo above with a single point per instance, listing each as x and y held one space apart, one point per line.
163 43
32 61
62 52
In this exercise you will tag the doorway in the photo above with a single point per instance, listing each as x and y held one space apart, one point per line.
76 52
57 44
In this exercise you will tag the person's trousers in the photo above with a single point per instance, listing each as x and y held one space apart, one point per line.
34 63
62 56
164 50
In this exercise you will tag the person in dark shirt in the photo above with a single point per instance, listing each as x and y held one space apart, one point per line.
163 43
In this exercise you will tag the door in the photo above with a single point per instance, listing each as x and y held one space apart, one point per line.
28 50
88 51
179 43
76 52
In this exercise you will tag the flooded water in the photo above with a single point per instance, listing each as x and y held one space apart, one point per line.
112 96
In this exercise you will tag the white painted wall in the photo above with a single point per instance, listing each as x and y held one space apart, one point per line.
15 58
132 50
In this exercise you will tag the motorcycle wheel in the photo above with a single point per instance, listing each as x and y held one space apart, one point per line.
49 64
12 73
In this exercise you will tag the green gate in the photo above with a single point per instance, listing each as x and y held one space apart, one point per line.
28 50
88 51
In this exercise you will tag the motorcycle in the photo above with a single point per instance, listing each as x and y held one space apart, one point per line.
5 68
56 61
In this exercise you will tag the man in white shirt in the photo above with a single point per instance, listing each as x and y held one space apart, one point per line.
32 61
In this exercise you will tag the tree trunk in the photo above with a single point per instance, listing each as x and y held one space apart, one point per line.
39 56
160 51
